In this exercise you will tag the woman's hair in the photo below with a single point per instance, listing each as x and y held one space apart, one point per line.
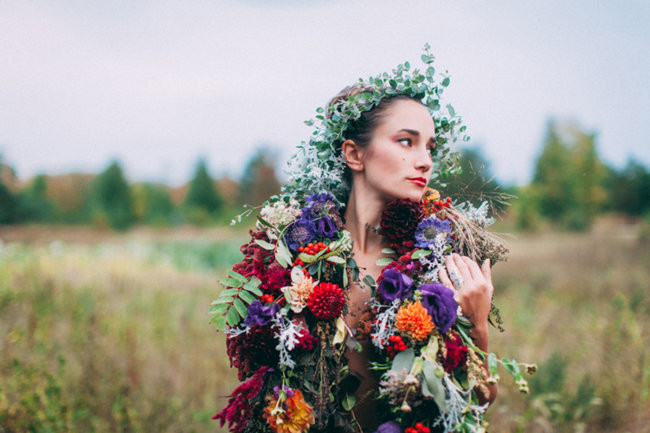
361 130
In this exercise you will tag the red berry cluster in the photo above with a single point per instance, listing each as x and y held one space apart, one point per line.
311 249
396 345
436 206
419 428
267 298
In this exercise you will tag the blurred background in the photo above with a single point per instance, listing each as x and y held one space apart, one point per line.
132 132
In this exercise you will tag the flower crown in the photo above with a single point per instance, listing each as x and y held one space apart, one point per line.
318 165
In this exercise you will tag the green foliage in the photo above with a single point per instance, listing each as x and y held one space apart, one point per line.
33 202
568 180
153 205
629 189
111 200
8 205
203 201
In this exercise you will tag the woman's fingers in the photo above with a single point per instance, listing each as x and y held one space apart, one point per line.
487 273
473 268
454 273
461 266
444 278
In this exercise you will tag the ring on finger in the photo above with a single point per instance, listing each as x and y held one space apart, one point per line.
456 279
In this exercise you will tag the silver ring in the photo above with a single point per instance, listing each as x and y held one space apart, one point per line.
456 279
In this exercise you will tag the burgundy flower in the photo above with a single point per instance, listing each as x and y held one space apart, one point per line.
394 285
275 277
326 301
239 408
400 219
251 350
456 353
306 341
439 302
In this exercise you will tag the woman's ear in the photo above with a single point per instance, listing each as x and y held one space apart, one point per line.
353 155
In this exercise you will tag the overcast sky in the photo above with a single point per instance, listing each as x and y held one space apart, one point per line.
158 83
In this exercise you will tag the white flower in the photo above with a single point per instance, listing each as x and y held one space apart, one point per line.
279 214
300 289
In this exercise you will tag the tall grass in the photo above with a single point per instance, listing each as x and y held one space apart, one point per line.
114 336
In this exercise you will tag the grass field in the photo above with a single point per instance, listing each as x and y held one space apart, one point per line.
102 332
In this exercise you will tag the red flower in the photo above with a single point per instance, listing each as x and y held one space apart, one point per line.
254 256
239 408
275 277
400 219
306 341
251 350
456 352
326 301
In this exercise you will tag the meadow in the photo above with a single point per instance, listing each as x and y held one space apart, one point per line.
103 332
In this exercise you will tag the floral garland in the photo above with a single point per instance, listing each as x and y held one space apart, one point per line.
283 311
284 304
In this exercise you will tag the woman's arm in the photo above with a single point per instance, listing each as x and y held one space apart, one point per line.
474 289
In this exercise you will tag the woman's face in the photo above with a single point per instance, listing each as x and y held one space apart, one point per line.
397 161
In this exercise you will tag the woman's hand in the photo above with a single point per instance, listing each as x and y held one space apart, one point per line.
473 287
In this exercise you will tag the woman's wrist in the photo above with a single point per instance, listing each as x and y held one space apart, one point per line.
480 335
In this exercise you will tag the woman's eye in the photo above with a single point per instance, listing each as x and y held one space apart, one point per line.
405 141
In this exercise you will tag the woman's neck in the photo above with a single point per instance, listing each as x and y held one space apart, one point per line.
362 215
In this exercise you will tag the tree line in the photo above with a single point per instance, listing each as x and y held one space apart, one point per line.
109 200
570 186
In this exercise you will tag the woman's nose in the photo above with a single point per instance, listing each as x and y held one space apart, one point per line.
423 161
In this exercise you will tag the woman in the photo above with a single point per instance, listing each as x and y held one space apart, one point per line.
389 156
303 326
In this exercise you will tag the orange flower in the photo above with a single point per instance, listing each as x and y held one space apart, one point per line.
293 416
414 320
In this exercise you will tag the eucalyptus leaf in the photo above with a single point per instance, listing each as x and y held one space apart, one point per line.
336 259
434 385
420 253
384 261
388 251
403 360
283 255
266 245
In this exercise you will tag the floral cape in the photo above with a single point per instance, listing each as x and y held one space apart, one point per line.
283 306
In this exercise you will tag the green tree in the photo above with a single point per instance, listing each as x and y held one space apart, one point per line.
34 203
152 204
629 189
203 200
258 181
111 200
8 205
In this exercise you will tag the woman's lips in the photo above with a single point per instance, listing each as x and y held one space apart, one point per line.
420 181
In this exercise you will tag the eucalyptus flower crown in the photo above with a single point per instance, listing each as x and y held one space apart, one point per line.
318 165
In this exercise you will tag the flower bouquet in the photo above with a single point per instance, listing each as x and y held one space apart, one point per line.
283 311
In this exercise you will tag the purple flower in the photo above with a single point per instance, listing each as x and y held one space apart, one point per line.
260 315
325 227
300 233
439 302
428 229
389 427
394 285
319 197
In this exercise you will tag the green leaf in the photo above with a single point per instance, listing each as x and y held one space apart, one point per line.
336 259
224 300
348 402
264 222
231 282
403 360
246 297
388 251
218 308
283 255
228 292
492 364
253 289
384 261
451 110
434 386
369 281
219 321
420 253
254 282
237 276
232 317
240 307
266 245
445 82
513 368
